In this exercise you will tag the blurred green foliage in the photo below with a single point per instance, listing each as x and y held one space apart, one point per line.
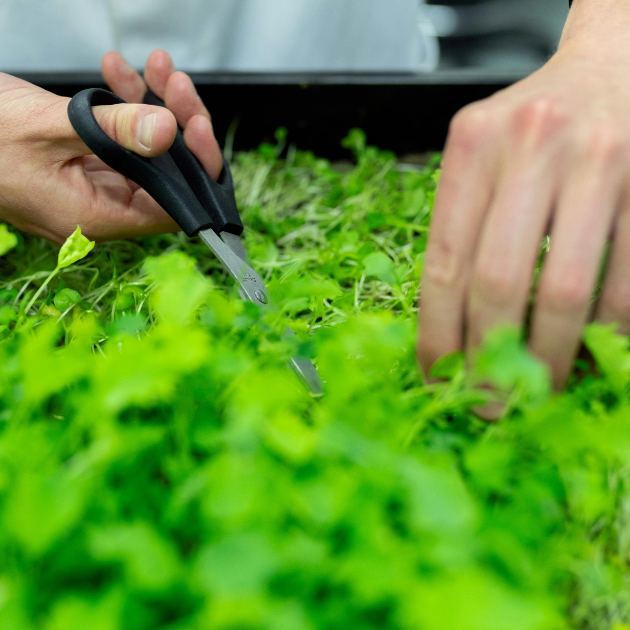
162 469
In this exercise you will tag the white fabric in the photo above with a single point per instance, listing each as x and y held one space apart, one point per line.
54 34
207 35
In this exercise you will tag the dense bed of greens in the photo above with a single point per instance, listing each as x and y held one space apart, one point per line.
161 468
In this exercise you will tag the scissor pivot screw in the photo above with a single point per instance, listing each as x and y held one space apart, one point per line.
260 296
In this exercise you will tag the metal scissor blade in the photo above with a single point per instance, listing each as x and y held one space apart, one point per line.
252 288
250 285
236 245
305 371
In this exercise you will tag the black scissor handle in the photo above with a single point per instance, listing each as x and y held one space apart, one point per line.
159 176
217 198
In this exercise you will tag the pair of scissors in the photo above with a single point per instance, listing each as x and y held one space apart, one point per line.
198 204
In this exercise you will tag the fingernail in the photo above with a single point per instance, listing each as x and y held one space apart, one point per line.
144 133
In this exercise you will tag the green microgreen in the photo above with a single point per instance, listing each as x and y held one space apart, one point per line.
162 469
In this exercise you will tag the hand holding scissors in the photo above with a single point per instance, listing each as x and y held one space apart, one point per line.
178 182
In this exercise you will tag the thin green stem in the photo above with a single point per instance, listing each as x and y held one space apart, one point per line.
39 291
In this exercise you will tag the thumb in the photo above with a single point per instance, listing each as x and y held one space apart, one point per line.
148 130
145 129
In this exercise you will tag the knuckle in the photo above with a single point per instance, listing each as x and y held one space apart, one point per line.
470 127
180 79
112 120
495 283
566 292
539 119
605 142
442 265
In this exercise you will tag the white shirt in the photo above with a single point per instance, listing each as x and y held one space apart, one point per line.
218 35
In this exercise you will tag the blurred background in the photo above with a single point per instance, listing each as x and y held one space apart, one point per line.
275 36
399 69
496 35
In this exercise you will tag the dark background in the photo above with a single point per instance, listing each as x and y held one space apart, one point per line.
407 114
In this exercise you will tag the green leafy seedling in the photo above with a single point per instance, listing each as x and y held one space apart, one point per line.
162 469
8 240
381 266
7 315
74 249
66 298
611 352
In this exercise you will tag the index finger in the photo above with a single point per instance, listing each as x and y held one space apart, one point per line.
122 78
464 193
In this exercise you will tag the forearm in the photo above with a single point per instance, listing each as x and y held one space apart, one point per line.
598 28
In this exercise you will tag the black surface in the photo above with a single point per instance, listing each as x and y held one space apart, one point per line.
464 76
403 116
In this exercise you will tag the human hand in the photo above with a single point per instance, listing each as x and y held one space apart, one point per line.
550 155
49 179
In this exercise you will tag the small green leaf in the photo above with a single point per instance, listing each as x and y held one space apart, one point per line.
65 298
124 301
381 266
75 248
7 315
180 288
8 295
8 240
281 135
355 141
611 352
448 366
128 325
505 362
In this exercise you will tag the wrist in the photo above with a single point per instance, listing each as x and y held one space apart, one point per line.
598 30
